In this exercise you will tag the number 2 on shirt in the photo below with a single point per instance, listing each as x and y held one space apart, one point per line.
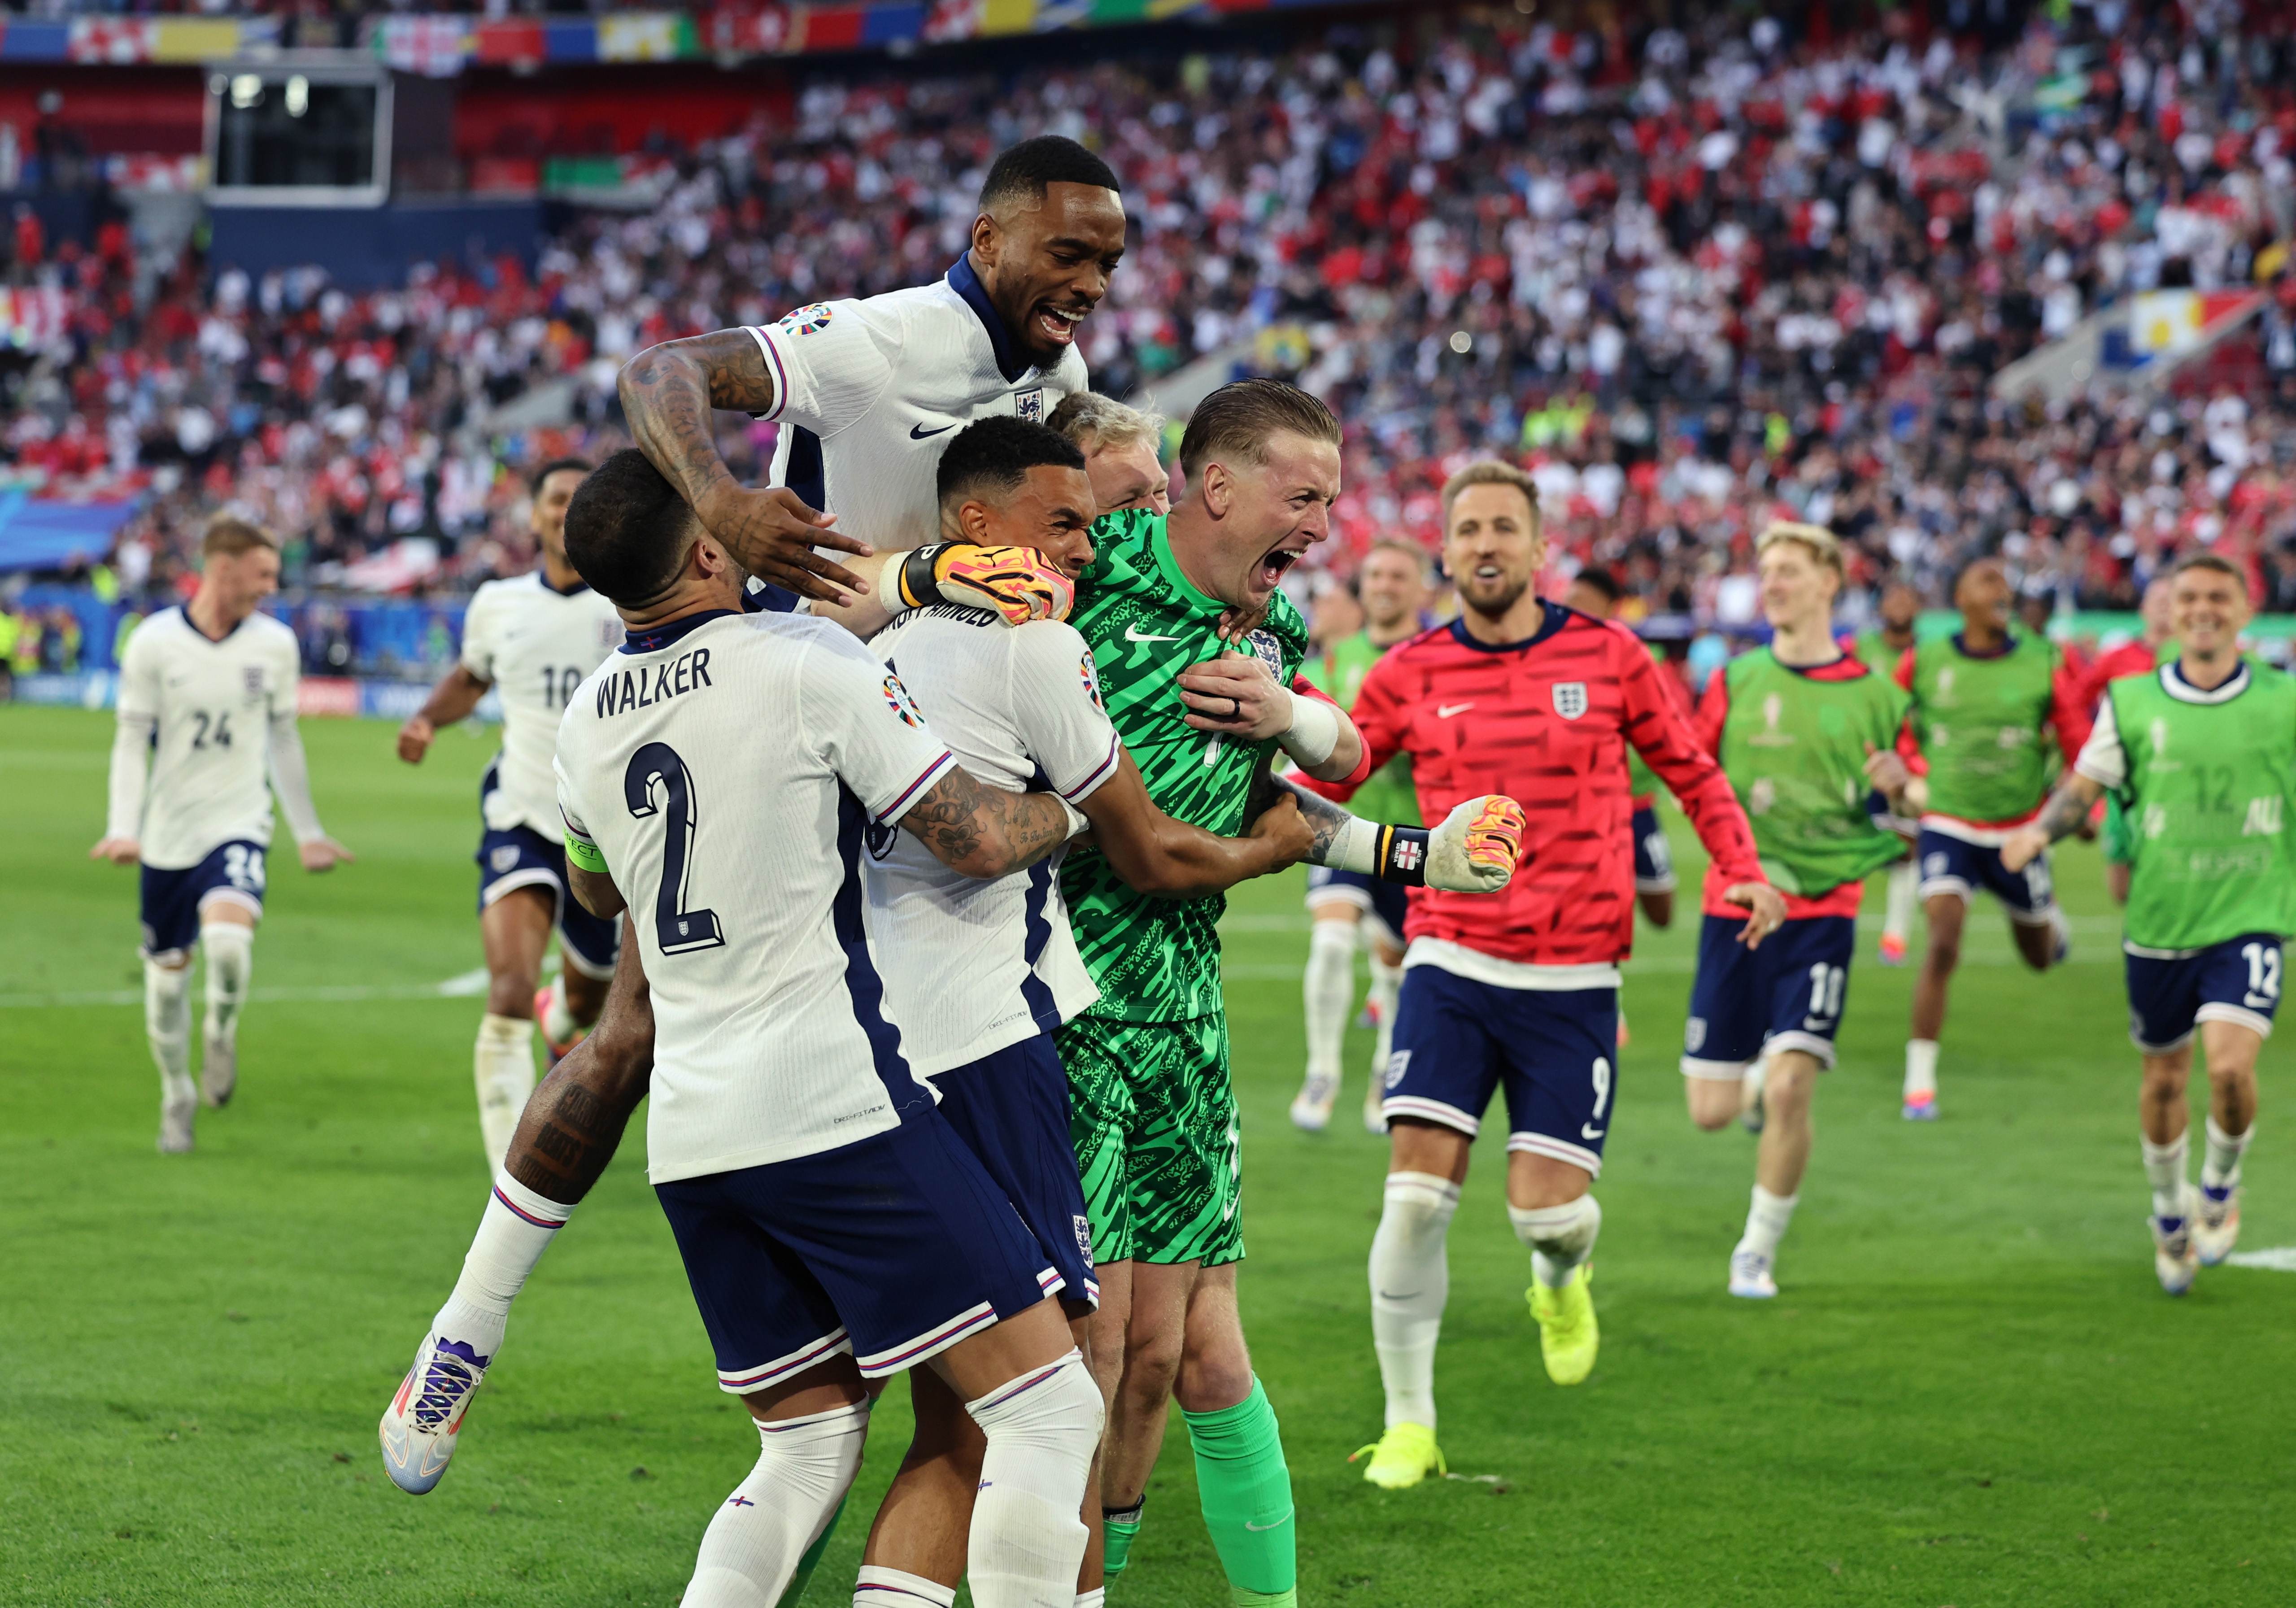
677 929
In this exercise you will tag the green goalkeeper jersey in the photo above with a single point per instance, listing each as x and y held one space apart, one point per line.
1158 959
2205 782
1388 795
1979 722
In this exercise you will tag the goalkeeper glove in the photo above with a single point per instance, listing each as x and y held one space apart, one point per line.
1020 584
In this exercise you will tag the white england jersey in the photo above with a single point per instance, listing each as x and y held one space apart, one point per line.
869 391
213 712
535 643
728 768
987 963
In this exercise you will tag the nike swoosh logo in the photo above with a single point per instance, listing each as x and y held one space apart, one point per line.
1279 1523
1587 1130
1446 711
1132 634
918 432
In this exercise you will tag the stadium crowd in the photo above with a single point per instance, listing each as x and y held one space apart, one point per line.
1687 276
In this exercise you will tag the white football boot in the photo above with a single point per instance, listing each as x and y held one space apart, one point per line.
176 1122
1749 1276
1311 1107
218 1070
2176 1256
419 1427
2216 1225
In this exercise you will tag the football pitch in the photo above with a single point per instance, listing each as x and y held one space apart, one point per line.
1971 1391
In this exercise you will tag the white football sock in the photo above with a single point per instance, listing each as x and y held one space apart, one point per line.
2221 1161
1767 1220
877 1586
1027 1541
558 1023
167 1024
1410 1281
1897 908
1097 1597
516 1229
504 1067
1559 1237
1330 989
2164 1170
1921 1067
230 957
750 1553
1386 985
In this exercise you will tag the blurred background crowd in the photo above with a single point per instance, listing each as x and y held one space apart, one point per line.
1695 266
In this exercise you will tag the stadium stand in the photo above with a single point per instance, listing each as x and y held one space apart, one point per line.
1693 275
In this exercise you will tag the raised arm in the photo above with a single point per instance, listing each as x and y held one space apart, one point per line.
1171 859
668 393
458 694
985 832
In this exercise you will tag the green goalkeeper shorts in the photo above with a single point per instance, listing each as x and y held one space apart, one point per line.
1157 1142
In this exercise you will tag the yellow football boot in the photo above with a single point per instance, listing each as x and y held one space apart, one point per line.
1568 1335
1403 1457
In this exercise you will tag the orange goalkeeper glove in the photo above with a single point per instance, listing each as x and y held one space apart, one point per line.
1020 584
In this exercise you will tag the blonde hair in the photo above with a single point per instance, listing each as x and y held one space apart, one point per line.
1091 419
1493 471
228 535
1816 540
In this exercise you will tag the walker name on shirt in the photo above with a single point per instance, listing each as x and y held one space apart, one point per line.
648 686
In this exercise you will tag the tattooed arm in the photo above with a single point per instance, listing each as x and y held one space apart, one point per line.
983 830
2065 812
668 392
574 1120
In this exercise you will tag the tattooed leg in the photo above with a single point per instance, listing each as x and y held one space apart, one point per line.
573 1121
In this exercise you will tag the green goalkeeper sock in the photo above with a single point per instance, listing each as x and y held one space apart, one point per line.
806 1564
1118 1527
1247 1496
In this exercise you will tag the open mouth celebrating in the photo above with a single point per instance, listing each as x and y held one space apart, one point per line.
1058 324
1272 564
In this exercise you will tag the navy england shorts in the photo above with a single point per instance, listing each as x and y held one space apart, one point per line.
522 858
1951 866
1653 856
2238 980
1554 1051
1385 902
231 874
894 1248
1012 1110
1786 995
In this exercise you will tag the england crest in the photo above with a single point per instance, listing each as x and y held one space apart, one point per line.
1269 649
1029 405
1570 699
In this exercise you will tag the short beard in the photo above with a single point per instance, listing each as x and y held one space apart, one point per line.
1507 600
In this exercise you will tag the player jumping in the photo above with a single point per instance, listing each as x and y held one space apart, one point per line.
533 638
206 713
1527 698
1982 699
1392 584
2202 756
1807 735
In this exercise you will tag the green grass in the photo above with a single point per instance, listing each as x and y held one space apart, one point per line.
1971 1391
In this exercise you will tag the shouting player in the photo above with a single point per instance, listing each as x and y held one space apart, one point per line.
865 391
1807 735
533 638
1393 585
1527 698
206 713
2202 755
1880 647
1984 698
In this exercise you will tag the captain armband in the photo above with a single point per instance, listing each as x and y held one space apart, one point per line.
579 852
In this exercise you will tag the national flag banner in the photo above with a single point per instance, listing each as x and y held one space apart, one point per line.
434 47
201 38
2166 321
112 41
25 41
830 28
758 31
645 37
507 44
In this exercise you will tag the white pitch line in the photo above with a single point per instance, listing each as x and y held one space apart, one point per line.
466 985
2280 1258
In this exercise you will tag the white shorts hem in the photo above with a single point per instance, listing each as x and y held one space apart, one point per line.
1340 893
1558 1150
533 876
931 1344
574 961
1820 1050
1715 1071
745 1382
2239 1016
1937 887
230 896
1430 1111
1657 884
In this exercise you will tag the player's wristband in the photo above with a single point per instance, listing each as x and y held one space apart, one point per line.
1313 732
1392 854
908 582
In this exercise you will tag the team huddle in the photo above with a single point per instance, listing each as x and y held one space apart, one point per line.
884 814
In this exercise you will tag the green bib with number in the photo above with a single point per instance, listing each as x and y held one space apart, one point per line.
2208 802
